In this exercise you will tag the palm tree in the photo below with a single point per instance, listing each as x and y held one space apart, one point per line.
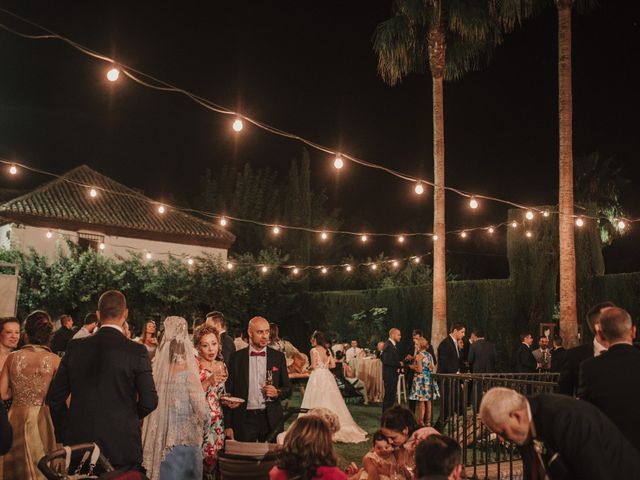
448 38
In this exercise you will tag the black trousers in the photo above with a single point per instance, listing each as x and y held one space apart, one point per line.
254 427
390 386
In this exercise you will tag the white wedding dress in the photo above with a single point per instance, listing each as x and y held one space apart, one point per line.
322 391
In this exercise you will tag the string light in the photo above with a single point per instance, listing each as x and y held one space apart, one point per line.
229 266
364 238
264 269
338 163
148 256
395 264
113 74
473 203
238 125
435 237
324 235
223 221
579 222
463 234
49 234
161 209
190 261
419 189
276 230
295 270
529 215
514 224
348 268
621 225
491 230
545 213
529 234
416 260
93 193
374 266
401 239
324 270
102 246
13 170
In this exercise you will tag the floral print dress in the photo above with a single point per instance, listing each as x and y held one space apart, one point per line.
213 439
424 388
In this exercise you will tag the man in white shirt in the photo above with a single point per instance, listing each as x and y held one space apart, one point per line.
353 352
90 324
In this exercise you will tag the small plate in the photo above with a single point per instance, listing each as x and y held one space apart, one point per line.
233 399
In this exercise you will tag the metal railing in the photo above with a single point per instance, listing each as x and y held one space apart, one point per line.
484 455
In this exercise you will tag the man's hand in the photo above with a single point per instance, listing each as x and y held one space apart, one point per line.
270 391
228 432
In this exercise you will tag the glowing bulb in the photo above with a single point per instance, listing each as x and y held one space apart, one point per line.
463 234
529 234
161 209
579 222
545 213
276 230
49 234
621 225
237 125
401 239
223 221
338 162
473 203
102 246
348 268
93 193
395 264
190 261
264 269
416 260
514 224
13 169
374 267
435 237
324 235
529 215
491 230
229 266
295 270
113 74
364 238
324 270
148 256
419 189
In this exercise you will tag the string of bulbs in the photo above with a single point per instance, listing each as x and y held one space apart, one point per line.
149 81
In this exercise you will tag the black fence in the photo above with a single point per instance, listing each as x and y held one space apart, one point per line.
484 455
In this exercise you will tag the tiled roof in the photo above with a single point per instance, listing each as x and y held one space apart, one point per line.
62 203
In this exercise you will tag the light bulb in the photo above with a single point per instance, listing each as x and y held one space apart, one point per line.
324 235
295 270
579 222
275 230
223 221
394 263
13 169
529 234
102 246
229 266
161 209
473 203
264 269
419 189
545 213
190 261
324 270
491 230
621 225
93 193
348 268
148 256
529 215
416 260
514 224
338 163
401 239
435 237
49 234
113 74
237 125
374 267
364 238
463 234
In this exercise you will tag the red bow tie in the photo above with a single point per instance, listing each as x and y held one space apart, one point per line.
258 354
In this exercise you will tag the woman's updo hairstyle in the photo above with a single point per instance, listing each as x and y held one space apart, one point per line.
39 327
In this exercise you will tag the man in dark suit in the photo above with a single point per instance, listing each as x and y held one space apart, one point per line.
558 355
580 441
62 335
250 369
568 381
390 365
217 321
611 381
482 359
449 362
111 386
525 362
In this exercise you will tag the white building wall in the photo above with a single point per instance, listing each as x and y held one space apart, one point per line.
22 237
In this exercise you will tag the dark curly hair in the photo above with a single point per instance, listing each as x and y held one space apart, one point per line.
203 330
397 418
38 327
307 446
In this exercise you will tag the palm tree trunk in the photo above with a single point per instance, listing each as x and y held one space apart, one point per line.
568 308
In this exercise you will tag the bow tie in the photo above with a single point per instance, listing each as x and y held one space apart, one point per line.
258 354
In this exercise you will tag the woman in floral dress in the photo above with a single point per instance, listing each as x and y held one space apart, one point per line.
213 374
424 389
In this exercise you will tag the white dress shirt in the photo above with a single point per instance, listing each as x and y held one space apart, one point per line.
257 379
598 348
83 332
352 354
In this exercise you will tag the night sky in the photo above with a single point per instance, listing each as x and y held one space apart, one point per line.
308 67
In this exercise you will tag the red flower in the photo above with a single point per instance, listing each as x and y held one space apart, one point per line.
275 369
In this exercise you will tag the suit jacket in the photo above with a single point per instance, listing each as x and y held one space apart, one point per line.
588 443
228 346
238 386
611 382
61 339
558 359
448 357
568 381
482 356
390 362
525 361
111 386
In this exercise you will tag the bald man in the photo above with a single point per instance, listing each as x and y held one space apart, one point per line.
390 366
258 375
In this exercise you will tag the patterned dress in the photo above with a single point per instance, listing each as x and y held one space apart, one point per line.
213 440
424 388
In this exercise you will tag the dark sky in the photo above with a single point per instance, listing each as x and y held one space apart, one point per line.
308 67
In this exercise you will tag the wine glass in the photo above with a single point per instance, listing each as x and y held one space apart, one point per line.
268 381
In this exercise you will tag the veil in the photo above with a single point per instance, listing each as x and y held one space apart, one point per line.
182 409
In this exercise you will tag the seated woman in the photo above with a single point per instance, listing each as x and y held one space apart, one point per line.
307 453
380 462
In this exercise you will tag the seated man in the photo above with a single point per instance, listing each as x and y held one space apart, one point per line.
438 458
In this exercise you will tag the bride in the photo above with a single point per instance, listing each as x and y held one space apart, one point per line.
322 391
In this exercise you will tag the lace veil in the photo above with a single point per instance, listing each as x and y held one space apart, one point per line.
182 409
